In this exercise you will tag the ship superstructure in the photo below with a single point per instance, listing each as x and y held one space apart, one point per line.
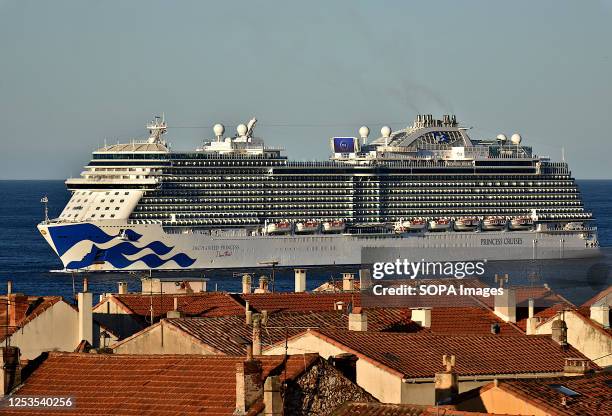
236 202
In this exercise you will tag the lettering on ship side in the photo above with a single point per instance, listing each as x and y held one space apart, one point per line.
507 241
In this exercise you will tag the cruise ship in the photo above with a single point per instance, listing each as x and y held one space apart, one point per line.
428 191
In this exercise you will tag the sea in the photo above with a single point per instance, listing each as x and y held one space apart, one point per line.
27 260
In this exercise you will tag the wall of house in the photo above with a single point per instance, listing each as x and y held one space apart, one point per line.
56 329
161 339
584 337
495 400
381 384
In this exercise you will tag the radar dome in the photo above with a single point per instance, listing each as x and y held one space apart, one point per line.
364 132
218 129
241 129
385 131
502 137
516 139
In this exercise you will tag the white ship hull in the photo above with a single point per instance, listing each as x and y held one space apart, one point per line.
119 246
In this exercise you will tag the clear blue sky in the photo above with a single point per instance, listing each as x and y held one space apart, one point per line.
76 72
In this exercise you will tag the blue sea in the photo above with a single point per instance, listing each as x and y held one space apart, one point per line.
27 260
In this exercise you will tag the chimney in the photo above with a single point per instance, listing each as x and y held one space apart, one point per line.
358 320
174 313
249 387
339 305
576 367
446 383
256 334
204 287
85 304
300 280
422 316
123 288
10 369
17 307
532 321
348 281
365 279
248 313
505 303
9 287
559 332
263 285
601 315
246 283
273 401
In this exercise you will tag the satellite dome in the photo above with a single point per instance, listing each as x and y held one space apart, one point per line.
364 132
385 131
502 137
516 139
218 129
241 129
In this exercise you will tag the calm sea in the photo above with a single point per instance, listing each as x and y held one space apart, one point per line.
26 258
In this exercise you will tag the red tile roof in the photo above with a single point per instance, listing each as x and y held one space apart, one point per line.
420 355
594 394
226 335
469 321
26 311
603 294
300 302
387 409
193 304
152 384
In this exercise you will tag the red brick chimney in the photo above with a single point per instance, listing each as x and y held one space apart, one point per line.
17 306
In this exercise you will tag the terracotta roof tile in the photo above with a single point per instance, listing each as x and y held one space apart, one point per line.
152 384
420 355
469 321
593 398
300 302
387 409
193 304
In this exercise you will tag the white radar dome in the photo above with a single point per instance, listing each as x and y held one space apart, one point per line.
241 129
502 137
218 129
364 132
385 131
516 139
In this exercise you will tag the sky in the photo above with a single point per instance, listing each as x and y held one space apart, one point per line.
76 73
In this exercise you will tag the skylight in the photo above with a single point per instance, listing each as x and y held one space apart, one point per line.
565 390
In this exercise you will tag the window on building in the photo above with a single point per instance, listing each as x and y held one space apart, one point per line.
565 390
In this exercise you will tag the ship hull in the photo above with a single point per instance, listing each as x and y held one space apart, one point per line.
130 247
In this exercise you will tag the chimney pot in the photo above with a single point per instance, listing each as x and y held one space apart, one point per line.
300 280
123 288
446 383
559 332
348 281
85 285
422 316
505 303
246 283
339 305
531 308
9 287
358 320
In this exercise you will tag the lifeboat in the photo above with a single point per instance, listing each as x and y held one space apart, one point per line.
333 226
521 223
307 227
416 224
466 224
282 227
493 223
441 224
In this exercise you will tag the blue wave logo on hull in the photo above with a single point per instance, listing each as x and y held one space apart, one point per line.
65 237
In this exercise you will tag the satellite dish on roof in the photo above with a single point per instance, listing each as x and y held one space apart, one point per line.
516 139
241 129
385 131
219 129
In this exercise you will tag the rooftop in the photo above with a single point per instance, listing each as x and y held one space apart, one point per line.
571 396
387 409
604 294
151 384
26 309
300 302
420 355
